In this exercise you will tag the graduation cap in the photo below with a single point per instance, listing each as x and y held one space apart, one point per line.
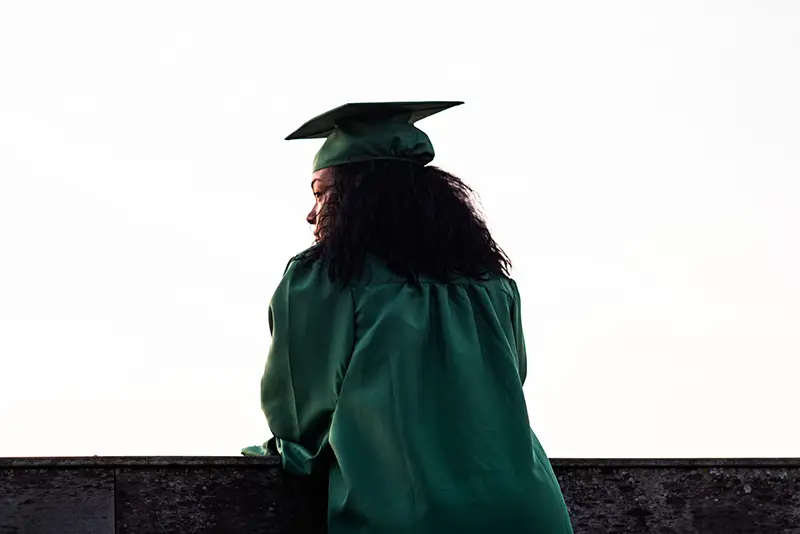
372 130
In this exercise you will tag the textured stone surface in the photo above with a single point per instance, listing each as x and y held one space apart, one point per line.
193 495
675 500
56 500
208 499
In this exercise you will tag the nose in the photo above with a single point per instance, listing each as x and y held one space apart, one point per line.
311 218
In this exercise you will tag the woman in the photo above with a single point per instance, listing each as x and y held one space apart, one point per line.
398 359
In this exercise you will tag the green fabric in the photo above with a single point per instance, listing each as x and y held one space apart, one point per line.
394 138
365 131
268 448
411 398
255 450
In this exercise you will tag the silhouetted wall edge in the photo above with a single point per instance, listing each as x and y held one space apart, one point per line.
236 494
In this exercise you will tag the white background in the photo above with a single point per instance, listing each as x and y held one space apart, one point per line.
638 161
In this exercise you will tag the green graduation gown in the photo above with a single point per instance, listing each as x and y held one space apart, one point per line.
410 397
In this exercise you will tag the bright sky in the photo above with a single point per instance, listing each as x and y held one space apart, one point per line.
638 161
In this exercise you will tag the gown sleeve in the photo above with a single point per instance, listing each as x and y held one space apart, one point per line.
312 325
519 336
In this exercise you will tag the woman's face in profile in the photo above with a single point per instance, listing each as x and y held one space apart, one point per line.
321 183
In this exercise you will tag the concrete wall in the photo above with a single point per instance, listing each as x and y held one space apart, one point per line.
218 495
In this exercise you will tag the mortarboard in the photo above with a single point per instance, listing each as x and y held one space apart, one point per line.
372 130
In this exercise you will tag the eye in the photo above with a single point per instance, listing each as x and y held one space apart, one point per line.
317 194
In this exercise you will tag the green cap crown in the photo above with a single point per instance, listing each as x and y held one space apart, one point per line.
371 131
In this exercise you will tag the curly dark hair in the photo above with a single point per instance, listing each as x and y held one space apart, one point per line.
420 220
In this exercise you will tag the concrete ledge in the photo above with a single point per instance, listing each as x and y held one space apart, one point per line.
237 494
